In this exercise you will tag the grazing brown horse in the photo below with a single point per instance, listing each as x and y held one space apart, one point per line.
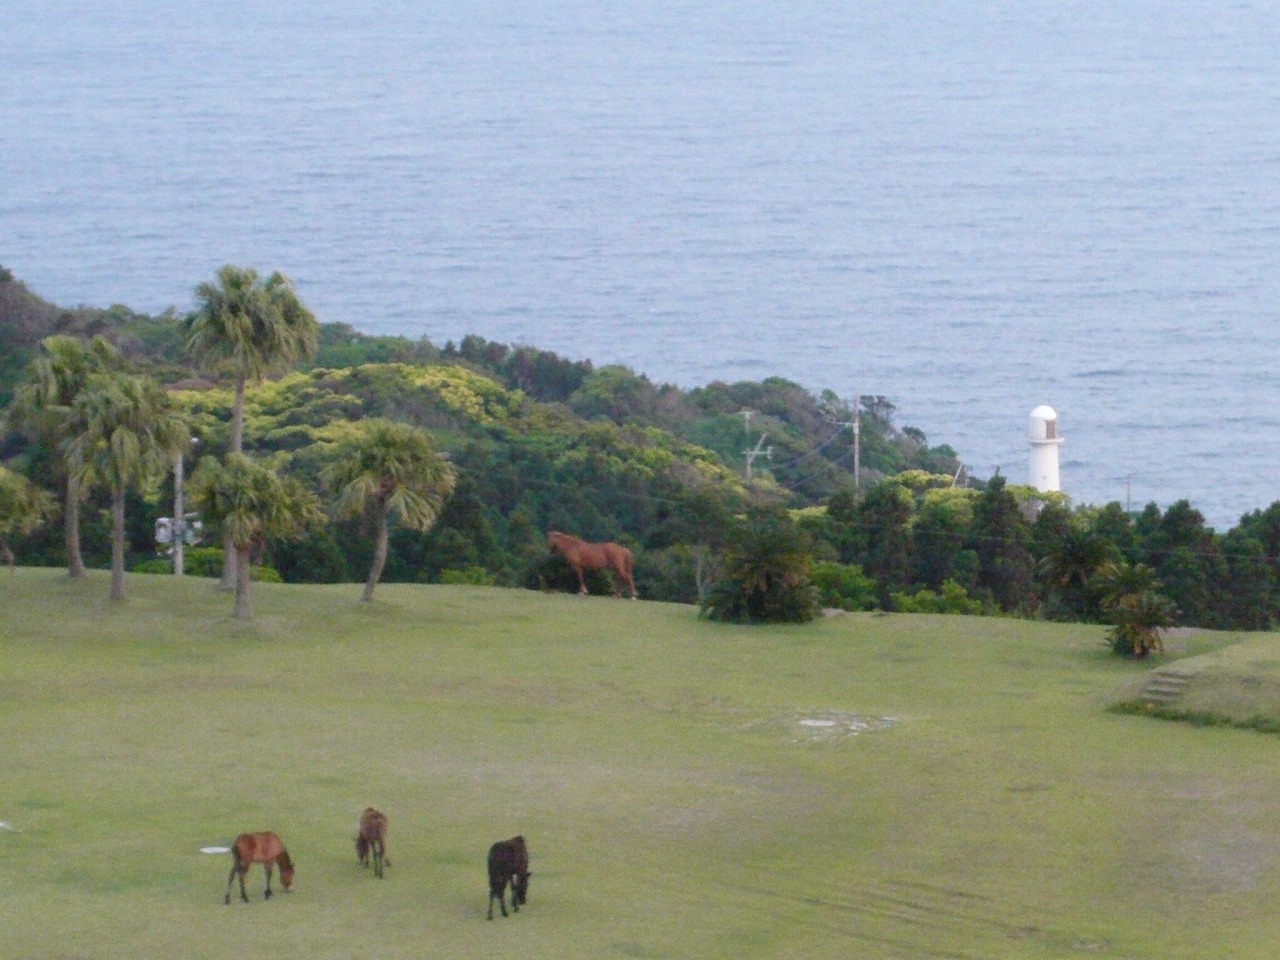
264 848
372 838
582 555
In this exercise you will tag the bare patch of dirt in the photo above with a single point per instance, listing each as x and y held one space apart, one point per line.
820 726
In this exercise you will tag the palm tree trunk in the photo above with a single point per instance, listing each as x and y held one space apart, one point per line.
71 528
237 418
243 609
230 555
379 556
117 544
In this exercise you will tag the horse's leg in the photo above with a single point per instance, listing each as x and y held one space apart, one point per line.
582 589
377 859
230 877
267 867
238 869
624 571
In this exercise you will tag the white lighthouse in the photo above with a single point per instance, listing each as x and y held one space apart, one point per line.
1043 434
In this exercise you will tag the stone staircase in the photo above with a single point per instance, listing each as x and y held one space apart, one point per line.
1164 687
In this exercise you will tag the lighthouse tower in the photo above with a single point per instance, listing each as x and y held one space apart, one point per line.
1044 438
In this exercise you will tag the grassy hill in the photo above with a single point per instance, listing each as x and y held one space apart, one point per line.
868 786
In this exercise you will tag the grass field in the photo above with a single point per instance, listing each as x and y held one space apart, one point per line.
863 787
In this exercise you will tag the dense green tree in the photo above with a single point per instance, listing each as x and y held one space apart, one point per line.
1188 561
938 534
1071 560
42 409
1249 599
126 432
614 392
462 538
24 507
313 557
392 469
766 574
704 524
1000 535
1115 525
248 328
844 586
252 503
883 519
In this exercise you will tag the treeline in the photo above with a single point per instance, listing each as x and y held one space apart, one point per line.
538 442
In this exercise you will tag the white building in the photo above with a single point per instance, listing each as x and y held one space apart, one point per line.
1045 440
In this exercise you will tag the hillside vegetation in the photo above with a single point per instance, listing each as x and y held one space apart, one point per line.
871 786
537 442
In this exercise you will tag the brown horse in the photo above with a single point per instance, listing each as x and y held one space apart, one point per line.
372 838
582 555
264 848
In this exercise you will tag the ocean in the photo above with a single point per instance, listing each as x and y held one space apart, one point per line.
970 207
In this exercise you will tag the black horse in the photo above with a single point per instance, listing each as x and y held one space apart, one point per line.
508 863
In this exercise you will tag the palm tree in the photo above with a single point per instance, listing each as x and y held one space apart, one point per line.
1139 623
1135 607
248 328
1070 565
252 502
23 508
1119 581
390 469
766 575
41 409
126 432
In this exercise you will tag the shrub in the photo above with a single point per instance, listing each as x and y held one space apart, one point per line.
844 586
766 576
473 576
196 562
153 565
953 599
262 573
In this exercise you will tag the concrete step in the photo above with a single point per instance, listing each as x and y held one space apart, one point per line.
1164 687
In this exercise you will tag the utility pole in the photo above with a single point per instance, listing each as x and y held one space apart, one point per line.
752 454
857 442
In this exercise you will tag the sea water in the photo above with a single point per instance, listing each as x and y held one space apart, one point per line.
970 208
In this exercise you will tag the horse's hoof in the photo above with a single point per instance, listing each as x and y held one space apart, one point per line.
267 895
227 900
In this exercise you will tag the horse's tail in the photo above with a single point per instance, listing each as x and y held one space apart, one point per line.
626 567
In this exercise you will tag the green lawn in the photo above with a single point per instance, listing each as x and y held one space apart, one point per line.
863 787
